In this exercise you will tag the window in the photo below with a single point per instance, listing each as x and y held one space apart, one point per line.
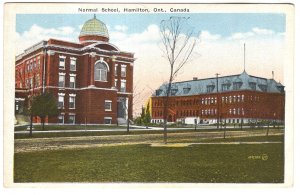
123 86
31 65
123 70
28 66
73 64
158 92
72 81
38 61
107 105
100 72
61 80
72 101
237 85
210 88
27 83
30 83
61 119
174 91
62 61
107 120
34 64
252 85
61 97
37 80
186 90
263 87
225 87
116 70
71 119
116 83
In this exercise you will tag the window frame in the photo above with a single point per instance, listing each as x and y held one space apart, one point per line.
123 70
123 89
108 102
116 69
62 75
71 96
72 59
72 76
100 71
60 63
74 121
63 118
107 118
61 95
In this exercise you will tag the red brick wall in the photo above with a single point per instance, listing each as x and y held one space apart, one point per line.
257 105
89 102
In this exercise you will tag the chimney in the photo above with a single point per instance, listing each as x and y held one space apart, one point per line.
272 74
195 78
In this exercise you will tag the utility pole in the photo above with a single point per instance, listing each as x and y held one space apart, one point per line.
218 100
244 57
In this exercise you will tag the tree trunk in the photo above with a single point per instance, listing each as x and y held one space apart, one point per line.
30 131
128 125
242 124
43 123
166 105
224 135
268 129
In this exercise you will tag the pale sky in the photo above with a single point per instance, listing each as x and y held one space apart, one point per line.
220 50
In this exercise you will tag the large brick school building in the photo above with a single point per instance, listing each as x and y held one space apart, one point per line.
231 99
92 79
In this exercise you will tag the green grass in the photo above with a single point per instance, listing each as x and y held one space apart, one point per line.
143 163
104 133
270 138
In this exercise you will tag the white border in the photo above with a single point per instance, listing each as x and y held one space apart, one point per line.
125 187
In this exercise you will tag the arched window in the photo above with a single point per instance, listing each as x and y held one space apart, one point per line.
100 72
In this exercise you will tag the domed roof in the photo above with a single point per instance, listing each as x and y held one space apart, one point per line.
94 27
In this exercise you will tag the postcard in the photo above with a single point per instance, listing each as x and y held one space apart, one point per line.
148 94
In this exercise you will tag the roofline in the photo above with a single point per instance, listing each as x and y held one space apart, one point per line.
207 78
216 93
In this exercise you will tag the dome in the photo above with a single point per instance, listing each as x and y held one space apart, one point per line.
95 30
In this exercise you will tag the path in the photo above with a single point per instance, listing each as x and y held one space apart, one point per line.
56 143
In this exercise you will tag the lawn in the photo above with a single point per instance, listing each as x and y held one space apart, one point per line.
143 163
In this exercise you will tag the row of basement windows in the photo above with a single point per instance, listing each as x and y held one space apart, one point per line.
72 119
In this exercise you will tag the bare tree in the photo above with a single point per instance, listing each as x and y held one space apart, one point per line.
178 45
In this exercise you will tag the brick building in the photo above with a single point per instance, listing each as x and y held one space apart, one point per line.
92 79
231 99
